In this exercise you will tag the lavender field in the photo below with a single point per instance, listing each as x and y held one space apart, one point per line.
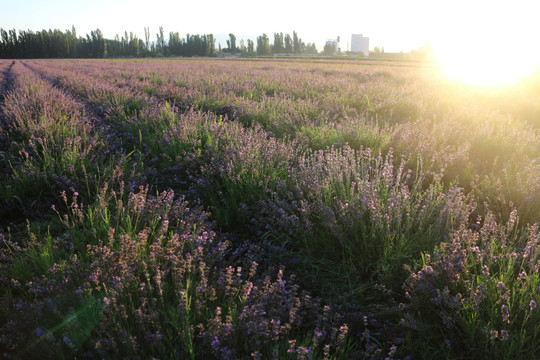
266 209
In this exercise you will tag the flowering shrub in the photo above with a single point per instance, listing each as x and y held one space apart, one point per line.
481 284
264 209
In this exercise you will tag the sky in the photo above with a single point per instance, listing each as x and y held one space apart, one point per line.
396 25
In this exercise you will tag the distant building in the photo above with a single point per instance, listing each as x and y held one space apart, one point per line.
360 43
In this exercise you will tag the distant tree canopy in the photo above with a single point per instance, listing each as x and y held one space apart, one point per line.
329 49
231 44
278 46
263 45
50 44
57 44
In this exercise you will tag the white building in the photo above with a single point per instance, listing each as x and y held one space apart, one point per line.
360 43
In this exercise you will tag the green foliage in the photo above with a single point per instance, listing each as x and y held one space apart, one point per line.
168 202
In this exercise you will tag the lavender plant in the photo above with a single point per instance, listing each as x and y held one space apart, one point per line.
264 209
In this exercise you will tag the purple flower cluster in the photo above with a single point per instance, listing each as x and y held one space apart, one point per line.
457 279
174 206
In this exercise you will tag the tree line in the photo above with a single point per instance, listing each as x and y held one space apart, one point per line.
57 44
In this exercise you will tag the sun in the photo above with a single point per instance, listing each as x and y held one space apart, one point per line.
487 43
481 66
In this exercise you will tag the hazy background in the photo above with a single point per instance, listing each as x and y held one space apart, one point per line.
396 25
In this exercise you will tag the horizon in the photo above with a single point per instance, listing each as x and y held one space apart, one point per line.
463 37
314 23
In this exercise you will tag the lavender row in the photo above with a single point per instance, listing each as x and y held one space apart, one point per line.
150 271
51 144
235 158
473 136
104 248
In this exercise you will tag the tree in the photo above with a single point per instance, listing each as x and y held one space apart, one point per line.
133 45
160 43
175 44
263 45
57 43
329 49
297 43
278 47
114 47
288 44
98 47
231 43
210 45
243 48
73 42
250 48
147 38
311 49
125 44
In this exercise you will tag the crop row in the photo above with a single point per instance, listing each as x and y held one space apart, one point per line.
261 209
487 142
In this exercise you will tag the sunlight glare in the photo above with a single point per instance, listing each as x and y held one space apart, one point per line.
486 44
484 68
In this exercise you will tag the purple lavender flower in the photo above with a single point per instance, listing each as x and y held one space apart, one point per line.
505 313
215 344
447 343
68 342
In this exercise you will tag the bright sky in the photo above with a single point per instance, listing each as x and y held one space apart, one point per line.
504 28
